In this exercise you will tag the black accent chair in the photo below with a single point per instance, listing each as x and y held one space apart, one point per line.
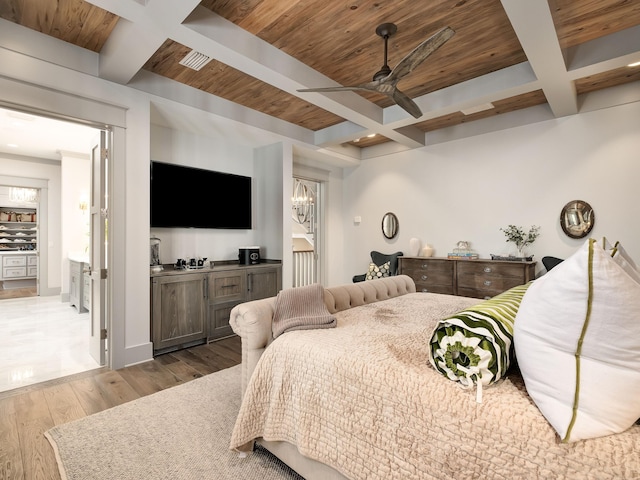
380 259
550 262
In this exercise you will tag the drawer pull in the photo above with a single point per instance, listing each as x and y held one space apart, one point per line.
425 266
229 286
487 283
487 269
424 277
425 290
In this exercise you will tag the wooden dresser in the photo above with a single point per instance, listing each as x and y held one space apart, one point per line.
467 278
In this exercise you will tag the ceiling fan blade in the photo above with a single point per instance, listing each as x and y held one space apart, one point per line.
370 86
404 102
419 54
326 89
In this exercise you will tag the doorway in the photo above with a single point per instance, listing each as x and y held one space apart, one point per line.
69 196
306 200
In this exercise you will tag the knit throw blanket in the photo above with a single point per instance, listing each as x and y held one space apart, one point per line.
301 308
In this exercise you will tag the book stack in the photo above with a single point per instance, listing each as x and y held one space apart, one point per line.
463 256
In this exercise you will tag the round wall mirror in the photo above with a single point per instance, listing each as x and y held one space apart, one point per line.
577 219
390 225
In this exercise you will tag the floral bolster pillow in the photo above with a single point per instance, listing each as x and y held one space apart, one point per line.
474 346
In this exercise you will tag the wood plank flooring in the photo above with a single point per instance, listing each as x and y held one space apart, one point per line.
26 413
17 292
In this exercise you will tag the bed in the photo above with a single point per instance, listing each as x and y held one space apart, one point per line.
362 400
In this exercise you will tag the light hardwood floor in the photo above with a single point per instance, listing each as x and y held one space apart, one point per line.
26 413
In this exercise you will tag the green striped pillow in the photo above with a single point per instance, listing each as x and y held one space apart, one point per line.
475 345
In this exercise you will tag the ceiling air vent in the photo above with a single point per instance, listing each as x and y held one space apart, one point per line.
195 60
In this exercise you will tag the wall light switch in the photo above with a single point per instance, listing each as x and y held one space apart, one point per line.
357 219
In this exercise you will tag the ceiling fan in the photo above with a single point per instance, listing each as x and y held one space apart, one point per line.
385 80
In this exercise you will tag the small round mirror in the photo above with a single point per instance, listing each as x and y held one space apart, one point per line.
390 225
577 219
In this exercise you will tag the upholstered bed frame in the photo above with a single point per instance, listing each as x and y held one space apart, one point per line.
251 321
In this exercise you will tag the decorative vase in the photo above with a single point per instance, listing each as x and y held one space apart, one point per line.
414 247
521 251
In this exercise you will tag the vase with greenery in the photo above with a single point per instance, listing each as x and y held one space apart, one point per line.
521 238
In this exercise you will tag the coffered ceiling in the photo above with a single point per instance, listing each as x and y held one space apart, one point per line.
506 56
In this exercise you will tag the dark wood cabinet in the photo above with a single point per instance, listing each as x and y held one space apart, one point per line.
429 274
178 311
228 288
468 278
194 306
263 282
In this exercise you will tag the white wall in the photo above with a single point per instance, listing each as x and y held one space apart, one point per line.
182 148
467 189
75 182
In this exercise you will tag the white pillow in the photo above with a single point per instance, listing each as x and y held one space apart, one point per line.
577 342
622 258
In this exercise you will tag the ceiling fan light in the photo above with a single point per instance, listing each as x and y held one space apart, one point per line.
195 60
477 108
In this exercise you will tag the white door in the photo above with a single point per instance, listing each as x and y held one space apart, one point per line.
98 249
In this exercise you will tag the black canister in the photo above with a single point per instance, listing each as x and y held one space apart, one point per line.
249 255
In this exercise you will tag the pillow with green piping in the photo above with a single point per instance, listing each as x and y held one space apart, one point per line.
622 258
577 338
378 271
474 346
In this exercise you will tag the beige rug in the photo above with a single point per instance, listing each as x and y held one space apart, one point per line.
175 434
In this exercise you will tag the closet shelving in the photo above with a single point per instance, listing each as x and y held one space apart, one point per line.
18 229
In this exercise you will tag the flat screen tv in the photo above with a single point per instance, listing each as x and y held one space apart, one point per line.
188 197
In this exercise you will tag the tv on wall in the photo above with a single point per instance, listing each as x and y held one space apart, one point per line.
188 197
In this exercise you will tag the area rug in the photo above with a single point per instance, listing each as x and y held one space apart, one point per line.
179 433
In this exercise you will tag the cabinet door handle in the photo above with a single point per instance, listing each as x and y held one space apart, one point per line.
205 287
249 282
487 269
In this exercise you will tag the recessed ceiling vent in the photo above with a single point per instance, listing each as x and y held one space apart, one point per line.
195 60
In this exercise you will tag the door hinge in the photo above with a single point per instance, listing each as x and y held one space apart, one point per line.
103 334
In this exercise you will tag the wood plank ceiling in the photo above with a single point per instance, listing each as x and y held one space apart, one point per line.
495 41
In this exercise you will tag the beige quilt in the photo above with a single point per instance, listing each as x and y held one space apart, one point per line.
364 399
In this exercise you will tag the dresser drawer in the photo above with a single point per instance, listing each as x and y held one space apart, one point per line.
14 272
32 260
32 271
227 286
429 274
485 279
14 261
